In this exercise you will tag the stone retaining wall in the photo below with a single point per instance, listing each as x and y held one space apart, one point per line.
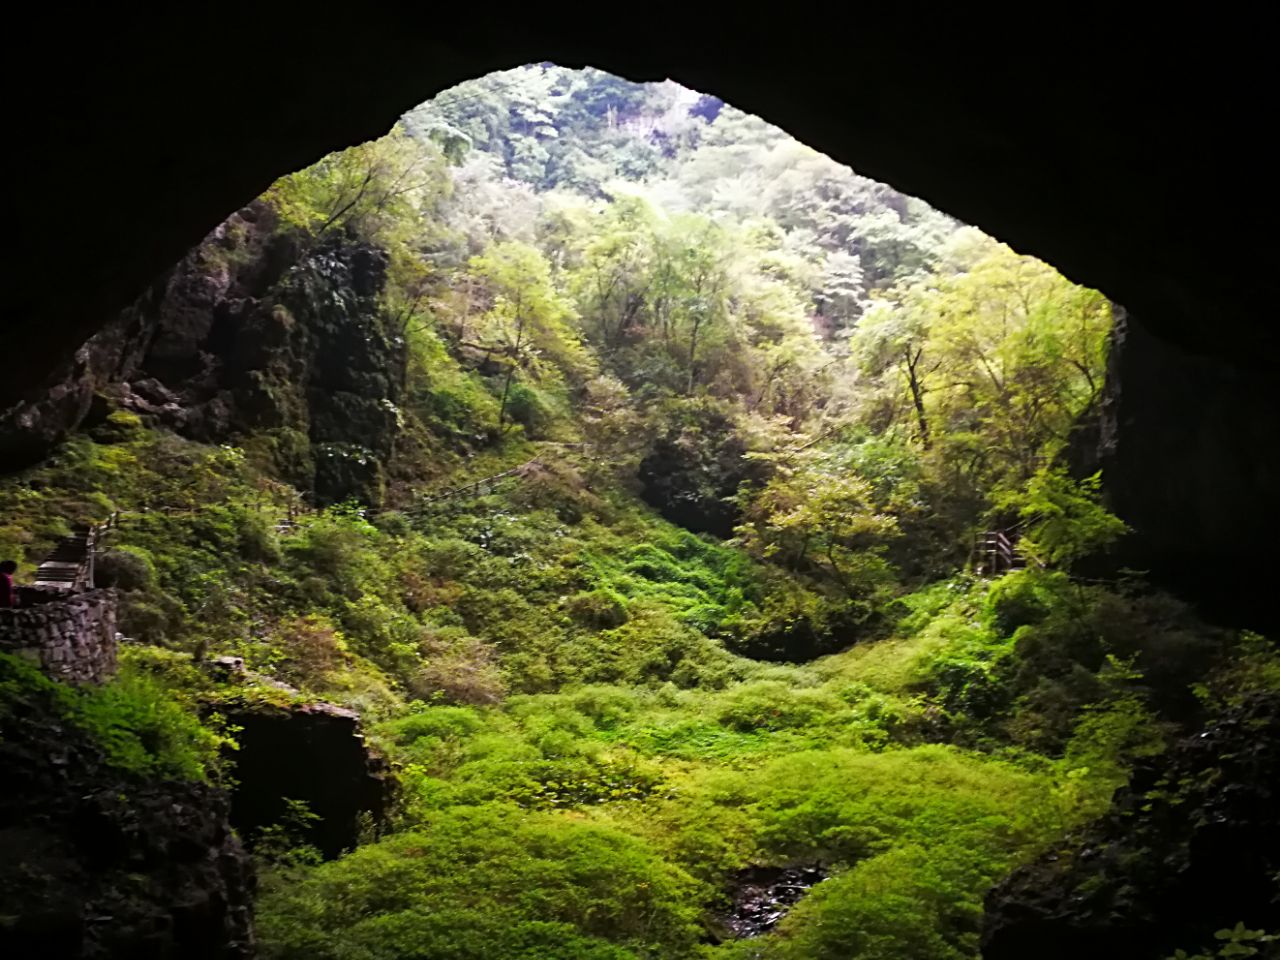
72 638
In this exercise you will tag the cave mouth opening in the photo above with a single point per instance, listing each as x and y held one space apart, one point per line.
452 336
812 274
1147 459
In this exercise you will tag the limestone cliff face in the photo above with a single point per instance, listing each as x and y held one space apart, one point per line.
259 332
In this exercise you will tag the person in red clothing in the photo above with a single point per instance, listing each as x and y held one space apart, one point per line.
8 592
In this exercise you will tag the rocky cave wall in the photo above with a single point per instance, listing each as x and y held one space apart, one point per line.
1192 841
1111 155
1184 446
97 862
256 330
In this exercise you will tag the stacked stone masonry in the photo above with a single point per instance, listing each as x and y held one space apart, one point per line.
71 637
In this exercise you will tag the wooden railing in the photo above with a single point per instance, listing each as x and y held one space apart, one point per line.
478 488
69 566
996 552
295 509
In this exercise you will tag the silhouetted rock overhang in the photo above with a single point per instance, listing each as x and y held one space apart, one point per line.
1133 161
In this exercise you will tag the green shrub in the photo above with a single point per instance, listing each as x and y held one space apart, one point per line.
905 904
1021 598
606 707
144 729
530 408
436 723
257 538
1238 941
139 723
175 671
308 650
768 705
1065 519
120 426
601 609
126 568
489 882
152 617
457 668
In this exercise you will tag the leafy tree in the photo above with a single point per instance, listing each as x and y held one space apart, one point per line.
376 188
890 343
1064 519
820 519
1024 352
526 323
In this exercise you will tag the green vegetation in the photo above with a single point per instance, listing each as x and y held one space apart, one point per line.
720 616
143 725
1235 942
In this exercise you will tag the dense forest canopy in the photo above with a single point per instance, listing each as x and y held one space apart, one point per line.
649 447
602 239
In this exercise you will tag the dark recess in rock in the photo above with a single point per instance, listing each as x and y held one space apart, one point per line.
313 753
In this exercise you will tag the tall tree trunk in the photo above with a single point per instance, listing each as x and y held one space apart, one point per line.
513 360
917 396
693 350
835 567
506 391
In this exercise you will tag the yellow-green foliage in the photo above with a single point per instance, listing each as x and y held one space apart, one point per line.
375 188
474 884
920 829
572 696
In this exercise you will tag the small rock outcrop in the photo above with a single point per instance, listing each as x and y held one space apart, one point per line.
71 637
314 753
763 895
97 863
1190 846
